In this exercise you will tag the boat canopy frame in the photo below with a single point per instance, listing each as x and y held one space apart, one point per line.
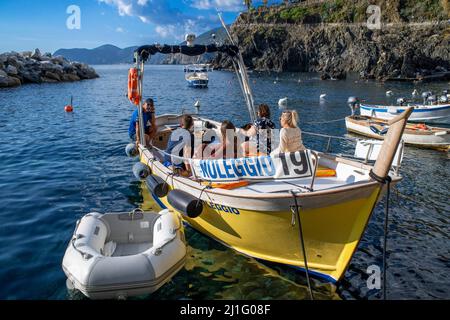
143 53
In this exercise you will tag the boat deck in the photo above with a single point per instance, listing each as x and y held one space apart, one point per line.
275 186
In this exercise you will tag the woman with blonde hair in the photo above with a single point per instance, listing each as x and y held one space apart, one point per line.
290 133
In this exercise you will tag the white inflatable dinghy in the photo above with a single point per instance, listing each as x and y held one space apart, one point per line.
118 255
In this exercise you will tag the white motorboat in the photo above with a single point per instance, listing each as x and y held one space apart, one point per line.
197 75
421 113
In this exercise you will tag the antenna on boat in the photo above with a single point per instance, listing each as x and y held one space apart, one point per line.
241 72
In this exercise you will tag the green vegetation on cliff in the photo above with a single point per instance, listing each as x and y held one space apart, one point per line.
342 11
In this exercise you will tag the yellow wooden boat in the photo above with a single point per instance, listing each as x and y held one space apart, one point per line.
272 219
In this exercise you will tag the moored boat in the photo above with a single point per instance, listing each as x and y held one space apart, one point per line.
418 135
439 113
305 209
197 75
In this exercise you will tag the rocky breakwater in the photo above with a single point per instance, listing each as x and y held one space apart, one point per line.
33 67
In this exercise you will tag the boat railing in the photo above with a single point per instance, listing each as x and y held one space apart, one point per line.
314 154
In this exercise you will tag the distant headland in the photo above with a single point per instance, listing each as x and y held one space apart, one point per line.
34 67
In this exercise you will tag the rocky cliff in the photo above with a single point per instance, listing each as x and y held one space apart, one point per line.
33 67
332 37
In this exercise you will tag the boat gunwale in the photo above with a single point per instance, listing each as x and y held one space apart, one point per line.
431 132
281 195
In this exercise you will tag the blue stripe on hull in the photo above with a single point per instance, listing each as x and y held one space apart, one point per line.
159 202
385 109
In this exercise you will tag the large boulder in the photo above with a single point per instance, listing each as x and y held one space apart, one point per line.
51 67
11 70
70 77
36 54
31 77
53 76
8 81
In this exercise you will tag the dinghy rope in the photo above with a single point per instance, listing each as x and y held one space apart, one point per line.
296 211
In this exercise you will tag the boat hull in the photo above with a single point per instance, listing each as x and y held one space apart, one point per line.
265 227
438 138
198 83
437 114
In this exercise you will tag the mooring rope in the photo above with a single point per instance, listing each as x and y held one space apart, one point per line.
302 240
384 181
329 121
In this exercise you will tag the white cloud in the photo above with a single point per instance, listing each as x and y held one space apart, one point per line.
171 21
221 5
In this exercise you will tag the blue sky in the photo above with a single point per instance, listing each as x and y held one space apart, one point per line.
29 24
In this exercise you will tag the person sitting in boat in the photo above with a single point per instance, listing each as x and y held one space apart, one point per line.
228 147
260 133
149 123
181 144
290 133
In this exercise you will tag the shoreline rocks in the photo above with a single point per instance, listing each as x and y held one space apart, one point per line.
34 67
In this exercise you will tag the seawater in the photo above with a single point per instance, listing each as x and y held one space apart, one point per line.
55 167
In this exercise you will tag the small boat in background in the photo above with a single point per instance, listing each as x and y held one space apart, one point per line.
197 75
418 135
433 109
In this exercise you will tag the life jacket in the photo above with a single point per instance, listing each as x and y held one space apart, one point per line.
133 83
421 126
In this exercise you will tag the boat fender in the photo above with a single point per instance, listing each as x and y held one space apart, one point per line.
379 132
157 186
131 150
384 131
185 203
141 171
375 130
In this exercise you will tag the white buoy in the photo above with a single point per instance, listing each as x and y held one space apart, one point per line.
282 103
389 93
322 97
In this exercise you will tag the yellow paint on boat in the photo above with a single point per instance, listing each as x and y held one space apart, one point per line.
331 233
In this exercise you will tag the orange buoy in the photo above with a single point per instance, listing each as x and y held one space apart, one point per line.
69 107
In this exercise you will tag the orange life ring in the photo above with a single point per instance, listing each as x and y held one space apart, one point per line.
133 82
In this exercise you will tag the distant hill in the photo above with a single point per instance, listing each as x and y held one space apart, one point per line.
109 54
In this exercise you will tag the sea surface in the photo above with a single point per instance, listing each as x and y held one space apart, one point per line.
55 167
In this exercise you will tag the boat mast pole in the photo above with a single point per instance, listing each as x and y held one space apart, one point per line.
140 66
241 72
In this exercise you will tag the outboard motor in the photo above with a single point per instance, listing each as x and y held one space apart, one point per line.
157 186
141 171
425 96
353 104
443 99
185 203
401 101
131 150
